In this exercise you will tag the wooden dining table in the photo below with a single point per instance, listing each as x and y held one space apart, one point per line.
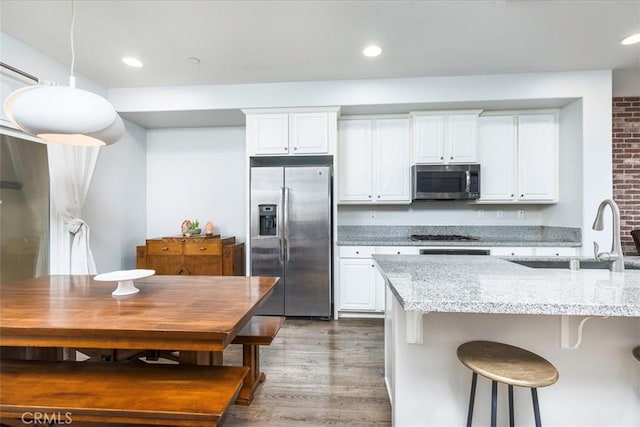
186 313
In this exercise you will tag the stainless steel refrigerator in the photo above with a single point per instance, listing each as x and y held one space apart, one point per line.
291 237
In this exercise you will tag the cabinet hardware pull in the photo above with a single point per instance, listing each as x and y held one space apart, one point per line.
164 248
512 195
203 249
286 148
295 148
441 158
522 195
378 196
357 252
369 195
451 158
398 252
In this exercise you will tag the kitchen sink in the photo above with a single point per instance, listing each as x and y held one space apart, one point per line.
584 265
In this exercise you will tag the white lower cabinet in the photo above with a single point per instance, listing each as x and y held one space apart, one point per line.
361 286
357 280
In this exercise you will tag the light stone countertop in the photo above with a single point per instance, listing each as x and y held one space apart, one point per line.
486 284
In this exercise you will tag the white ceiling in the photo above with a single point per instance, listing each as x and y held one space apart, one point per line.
276 41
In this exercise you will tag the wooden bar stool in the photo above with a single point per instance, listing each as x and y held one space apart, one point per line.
503 363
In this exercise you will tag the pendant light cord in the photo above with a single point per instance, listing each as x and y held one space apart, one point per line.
72 79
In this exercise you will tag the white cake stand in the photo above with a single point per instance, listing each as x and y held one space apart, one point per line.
125 280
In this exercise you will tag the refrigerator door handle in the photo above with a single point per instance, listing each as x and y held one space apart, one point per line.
286 223
281 242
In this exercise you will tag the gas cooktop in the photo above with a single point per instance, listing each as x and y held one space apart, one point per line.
434 237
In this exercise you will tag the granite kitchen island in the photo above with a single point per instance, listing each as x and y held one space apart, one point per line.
436 302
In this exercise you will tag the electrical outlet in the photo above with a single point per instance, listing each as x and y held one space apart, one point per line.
521 214
499 213
480 213
372 214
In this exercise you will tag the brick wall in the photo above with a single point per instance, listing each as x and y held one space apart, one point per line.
626 166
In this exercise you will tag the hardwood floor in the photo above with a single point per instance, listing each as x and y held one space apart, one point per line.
319 373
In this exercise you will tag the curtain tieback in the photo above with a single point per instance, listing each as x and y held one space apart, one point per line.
75 224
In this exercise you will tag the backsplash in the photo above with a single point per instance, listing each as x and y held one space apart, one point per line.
626 166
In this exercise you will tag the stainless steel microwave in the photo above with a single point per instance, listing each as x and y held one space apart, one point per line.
445 182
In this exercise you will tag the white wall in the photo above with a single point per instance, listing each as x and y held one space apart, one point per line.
196 173
115 204
115 207
567 212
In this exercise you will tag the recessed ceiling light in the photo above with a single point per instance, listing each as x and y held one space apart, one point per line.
372 51
132 62
632 39
194 60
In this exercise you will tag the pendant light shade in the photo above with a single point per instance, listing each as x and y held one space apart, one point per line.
64 114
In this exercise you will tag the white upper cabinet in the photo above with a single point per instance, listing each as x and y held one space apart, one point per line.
445 137
537 157
355 181
497 155
391 168
309 133
373 161
518 155
269 133
282 132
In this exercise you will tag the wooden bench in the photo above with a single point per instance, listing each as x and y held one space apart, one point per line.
119 393
261 330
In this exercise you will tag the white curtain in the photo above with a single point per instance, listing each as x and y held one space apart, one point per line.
70 170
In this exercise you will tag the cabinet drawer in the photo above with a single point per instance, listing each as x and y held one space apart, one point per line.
397 250
356 251
562 251
202 248
512 251
164 248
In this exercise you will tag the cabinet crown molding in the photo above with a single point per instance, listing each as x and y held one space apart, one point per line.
291 110
444 112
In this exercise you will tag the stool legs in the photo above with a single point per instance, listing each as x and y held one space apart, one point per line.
536 408
494 403
474 380
511 420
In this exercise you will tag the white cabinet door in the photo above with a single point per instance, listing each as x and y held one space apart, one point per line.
309 133
537 157
391 167
497 146
354 161
461 138
357 284
428 139
270 133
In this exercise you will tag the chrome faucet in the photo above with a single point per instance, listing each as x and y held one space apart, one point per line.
614 258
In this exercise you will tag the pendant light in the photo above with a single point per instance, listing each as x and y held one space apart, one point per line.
65 114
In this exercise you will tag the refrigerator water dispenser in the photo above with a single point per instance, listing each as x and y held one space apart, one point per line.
268 220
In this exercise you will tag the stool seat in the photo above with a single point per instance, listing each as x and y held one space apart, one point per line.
507 364
636 352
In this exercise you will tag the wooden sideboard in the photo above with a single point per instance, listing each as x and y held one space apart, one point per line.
195 255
